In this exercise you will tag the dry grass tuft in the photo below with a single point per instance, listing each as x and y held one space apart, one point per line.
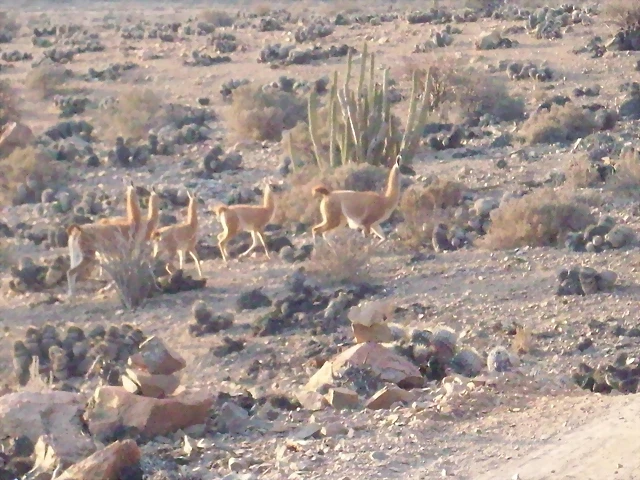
558 125
541 218
47 81
470 93
262 10
136 112
297 204
129 265
423 207
8 103
218 18
264 115
624 13
522 341
27 163
581 174
8 23
627 176
346 263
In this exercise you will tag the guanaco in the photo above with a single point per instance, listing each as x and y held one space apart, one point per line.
365 210
248 218
87 241
179 239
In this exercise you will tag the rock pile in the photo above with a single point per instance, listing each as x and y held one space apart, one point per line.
605 235
76 353
152 371
622 375
585 281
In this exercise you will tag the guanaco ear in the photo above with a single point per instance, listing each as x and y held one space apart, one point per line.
153 189
398 160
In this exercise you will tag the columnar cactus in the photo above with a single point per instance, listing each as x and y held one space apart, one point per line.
362 128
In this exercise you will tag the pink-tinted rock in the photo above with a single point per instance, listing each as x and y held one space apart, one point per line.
105 464
156 358
114 408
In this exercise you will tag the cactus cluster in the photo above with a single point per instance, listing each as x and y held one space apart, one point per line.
361 126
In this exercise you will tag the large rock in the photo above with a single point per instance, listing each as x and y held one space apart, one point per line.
156 358
387 364
114 409
105 464
52 421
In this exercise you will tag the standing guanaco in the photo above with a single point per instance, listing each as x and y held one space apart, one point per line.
248 218
179 239
87 241
365 210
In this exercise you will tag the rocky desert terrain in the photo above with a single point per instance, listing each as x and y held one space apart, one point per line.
492 335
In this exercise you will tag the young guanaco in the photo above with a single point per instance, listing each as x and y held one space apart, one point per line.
365 210
179 239
248 218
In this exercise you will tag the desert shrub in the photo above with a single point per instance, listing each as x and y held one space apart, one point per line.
581 173
136 112
624 13
423 207
219 18
297 204
47 81
541 218
128 263
8 22
470 94
345 261
8 103
263 114
627 176
262 10
28 166
559 124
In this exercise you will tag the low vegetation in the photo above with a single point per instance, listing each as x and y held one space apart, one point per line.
218 18
541 218
346 261
47 81
558 125
136 112
8 103
261 114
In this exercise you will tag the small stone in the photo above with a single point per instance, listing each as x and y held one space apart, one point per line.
306 431
386 397
156 358
340 398
333 429
237 465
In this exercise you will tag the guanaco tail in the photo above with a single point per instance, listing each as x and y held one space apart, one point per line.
248 218
365 210
179 239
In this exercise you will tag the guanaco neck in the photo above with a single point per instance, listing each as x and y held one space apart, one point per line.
192 213
268 202
392 193
153 211
133 208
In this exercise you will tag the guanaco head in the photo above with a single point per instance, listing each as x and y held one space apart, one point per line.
220 209
320 191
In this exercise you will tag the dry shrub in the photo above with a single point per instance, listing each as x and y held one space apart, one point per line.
136 112
470 94
47 81
297 204
218 18
8 23
346 261
541 218
8 103
522 340
627 176
129 265
581 174
264 114
624 13
423 207
558 125
262 10
27 163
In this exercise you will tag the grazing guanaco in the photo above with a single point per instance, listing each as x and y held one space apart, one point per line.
365 210
247 218
179 239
